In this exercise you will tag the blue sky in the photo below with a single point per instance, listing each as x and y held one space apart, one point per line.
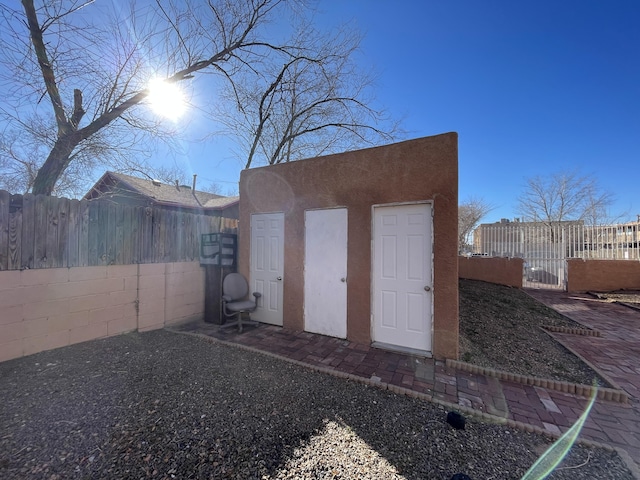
531 87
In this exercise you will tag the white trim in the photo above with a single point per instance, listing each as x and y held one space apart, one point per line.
372 261
371 270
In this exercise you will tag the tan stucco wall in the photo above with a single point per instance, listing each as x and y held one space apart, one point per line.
51 308
500 270
602 275
425 169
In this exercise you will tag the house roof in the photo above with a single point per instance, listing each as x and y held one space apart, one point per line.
221 202
160 192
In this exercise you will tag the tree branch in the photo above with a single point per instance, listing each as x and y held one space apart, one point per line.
45 66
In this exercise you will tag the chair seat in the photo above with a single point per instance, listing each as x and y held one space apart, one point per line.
240 306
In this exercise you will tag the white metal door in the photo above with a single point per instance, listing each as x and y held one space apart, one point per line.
267 265
402 276
325 272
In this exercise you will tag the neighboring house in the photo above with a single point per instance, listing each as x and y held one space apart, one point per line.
136 191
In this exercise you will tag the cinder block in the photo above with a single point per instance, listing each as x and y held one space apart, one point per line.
97 286
45 309
45 276
124 297
35 327
194 296
179 315
45 342
54 291
185 282
130 283
16 296
151 282
81 274
151 327
185 319
10 350
151 307
89 332
174 279
10 279
150 321
11 332
43 293
186 267
121 325
88 302
10 314
68 321
151 296
130 310
180 301
122 271
105 315
150 269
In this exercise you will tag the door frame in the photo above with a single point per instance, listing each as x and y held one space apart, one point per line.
342 334
385 346
251 266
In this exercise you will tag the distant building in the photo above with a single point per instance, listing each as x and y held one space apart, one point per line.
566 239
136 191
508 238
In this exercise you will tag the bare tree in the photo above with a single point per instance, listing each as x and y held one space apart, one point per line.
470 212
82 70
563 196
308 104
22 153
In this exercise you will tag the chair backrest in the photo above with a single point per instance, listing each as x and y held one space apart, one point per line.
235 285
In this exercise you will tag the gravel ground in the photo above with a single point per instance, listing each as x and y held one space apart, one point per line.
500 328
164 405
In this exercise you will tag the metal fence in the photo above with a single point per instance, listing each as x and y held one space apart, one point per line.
545 247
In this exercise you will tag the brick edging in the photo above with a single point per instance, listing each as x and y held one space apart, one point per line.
572 331
484 416
609 394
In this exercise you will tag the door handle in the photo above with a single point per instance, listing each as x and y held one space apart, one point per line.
343 279
427 288
279 279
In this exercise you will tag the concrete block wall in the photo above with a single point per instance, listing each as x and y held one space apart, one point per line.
185 291
51 308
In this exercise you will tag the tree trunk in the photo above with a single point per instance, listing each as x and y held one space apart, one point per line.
55 165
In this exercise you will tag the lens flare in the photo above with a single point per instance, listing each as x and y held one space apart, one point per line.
556 452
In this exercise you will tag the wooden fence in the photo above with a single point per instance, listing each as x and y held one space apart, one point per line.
37 231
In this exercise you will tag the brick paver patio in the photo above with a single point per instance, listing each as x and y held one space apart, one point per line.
615 355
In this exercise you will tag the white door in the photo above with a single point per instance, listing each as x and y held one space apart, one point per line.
402 276
267 265
325 272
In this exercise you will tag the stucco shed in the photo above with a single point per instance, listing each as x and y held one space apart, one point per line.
359 245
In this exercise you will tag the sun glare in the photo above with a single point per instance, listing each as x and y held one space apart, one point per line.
166 99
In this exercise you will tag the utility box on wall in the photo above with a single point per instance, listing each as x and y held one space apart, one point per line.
219 257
